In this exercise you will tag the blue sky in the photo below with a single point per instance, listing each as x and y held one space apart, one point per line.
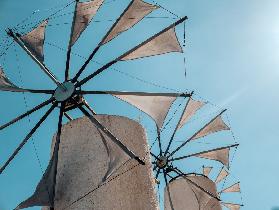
231 52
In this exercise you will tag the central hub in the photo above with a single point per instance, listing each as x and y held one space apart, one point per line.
162 162
64 91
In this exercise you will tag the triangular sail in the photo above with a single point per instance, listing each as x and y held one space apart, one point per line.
191 108
222 175
84 13
116 156
234 188
136 11
165 42
44 193
5 83
215 125
34 41
156 107
207 170
221 155
232 206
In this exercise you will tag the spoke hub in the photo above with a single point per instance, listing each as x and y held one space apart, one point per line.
64 92
162 162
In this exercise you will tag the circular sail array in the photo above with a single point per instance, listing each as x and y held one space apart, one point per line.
195 191
69 94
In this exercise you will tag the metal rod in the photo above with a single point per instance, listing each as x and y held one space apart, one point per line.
20 90
187 141
88 107
168 189
177 125
68 116
99 45
57 145
111 136
27 113
41 65
159 140
27 137
134 93
100 70
203 152
68 59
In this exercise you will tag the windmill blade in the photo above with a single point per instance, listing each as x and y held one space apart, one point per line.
233 188
111 136
219 154
191 108
207 170
27 113
156 107
44 194
7 85
232 206
134 93
222 175
133 14
165 47
34 40
168 191
84 13
215 125
27 138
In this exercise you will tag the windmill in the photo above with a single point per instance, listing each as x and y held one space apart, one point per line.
195 190
69 94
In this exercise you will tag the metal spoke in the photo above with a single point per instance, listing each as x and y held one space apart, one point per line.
192 137
135 93
20 90
27 138
68 59
203 152
173 134
168 189
68 116
106 66
57 145
111 136
27 113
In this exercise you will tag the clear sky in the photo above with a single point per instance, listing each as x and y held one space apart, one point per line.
231 53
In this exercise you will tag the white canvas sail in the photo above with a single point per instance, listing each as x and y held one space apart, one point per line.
136 11
34 41
85 11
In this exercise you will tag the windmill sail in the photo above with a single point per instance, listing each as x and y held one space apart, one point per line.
191 108
191 192
165 42
6 84
84 13
221 155
222 175
207 170
232 206
215 125
135 12
44 193
234 188
34 41
156 107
